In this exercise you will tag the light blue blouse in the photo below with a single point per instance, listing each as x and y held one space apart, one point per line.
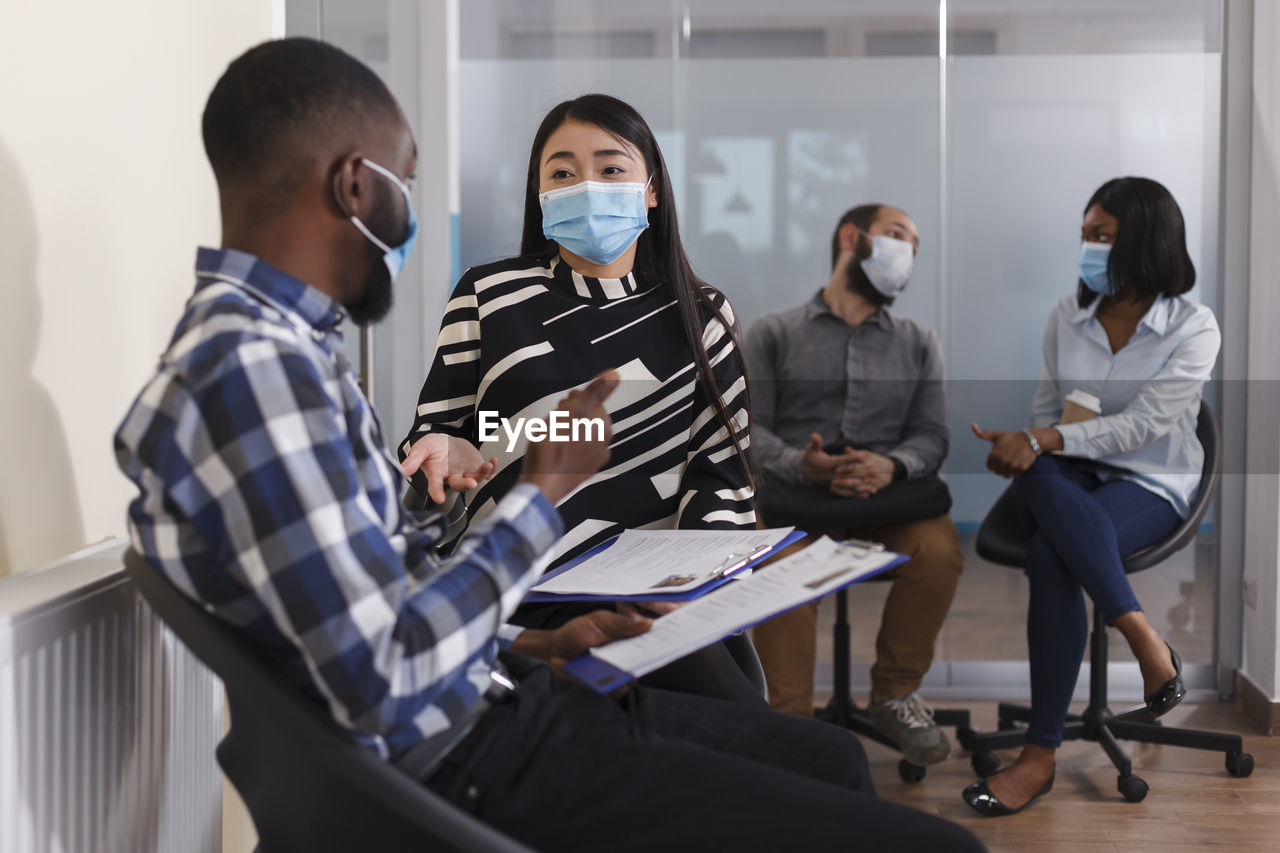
1150 392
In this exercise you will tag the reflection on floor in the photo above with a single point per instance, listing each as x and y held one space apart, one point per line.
988 619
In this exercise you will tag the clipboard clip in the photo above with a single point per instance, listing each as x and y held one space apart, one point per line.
861 547
733 562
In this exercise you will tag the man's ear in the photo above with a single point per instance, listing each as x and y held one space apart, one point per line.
849 237
351 190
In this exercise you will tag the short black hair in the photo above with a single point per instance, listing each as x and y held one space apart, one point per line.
861 217
1148 257
274 102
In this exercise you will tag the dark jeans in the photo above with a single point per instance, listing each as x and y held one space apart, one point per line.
710 671
563 769
1080 528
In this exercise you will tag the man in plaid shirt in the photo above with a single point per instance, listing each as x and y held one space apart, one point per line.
266 494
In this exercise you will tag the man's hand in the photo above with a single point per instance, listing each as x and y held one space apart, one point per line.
446 459
871 473
652 609
559 467
579 634
820 468
1011 452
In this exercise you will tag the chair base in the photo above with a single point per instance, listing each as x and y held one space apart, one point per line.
846 714
1106 729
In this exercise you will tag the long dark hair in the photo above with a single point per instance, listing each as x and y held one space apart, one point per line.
660 256
1148 257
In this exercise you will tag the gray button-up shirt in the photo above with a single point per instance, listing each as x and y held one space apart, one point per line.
878 386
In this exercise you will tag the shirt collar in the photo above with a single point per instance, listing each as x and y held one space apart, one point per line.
268 284
600 289
817 306
1156 319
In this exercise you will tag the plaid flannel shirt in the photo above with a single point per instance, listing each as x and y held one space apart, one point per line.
267 495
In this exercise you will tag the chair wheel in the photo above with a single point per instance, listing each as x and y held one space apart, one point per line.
1239 764
1132 788
909 772
985 763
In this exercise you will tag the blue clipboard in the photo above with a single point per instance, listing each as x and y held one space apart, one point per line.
536 597
603 677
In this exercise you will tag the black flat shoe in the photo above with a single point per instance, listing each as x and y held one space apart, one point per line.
1170 693
979 797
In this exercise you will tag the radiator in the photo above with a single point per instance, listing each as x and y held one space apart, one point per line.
107 723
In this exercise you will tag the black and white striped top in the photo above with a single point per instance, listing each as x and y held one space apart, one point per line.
517 335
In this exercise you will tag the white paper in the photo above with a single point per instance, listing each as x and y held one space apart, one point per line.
661 561
821 568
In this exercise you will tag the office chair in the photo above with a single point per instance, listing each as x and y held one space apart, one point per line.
814 510
307 785
1001 540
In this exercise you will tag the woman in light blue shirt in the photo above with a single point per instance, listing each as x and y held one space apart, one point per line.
1130 340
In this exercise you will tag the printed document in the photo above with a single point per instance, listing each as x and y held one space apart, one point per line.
662 561
823 567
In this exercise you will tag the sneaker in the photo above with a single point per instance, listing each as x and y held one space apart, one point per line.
908 721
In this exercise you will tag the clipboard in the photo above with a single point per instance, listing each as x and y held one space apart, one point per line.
535 597
603 677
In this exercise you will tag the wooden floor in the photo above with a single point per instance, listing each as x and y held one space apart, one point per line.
1193 803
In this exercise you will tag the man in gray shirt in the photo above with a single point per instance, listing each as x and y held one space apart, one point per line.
847 400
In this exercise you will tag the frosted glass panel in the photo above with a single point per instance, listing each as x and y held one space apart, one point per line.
765 157
1029 138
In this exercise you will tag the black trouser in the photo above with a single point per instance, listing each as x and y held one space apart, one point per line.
710 671
563 769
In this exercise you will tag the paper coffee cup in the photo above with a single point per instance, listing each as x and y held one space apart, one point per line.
1080 406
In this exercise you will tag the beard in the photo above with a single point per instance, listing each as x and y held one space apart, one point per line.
375 300
378 295
857 282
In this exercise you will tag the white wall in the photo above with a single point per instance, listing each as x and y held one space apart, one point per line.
104 196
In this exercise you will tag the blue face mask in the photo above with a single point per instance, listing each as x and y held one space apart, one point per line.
395 257
1093 267
596 220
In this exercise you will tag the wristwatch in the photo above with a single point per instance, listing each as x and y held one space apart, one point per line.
899 469
1035 445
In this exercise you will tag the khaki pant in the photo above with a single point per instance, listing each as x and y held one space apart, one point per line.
923 588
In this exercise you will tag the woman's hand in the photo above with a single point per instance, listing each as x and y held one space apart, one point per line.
1011 452
446 459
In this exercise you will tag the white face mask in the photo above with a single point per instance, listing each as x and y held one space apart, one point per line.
889 266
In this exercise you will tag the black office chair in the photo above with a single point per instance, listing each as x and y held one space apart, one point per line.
1001 540
811 509
307 785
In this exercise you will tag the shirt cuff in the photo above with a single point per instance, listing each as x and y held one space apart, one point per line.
527 509
787 465
1075 441
912 464
507 634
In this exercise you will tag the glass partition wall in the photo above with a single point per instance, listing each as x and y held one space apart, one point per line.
990 122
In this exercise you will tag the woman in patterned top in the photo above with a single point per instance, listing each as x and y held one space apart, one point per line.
602 282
